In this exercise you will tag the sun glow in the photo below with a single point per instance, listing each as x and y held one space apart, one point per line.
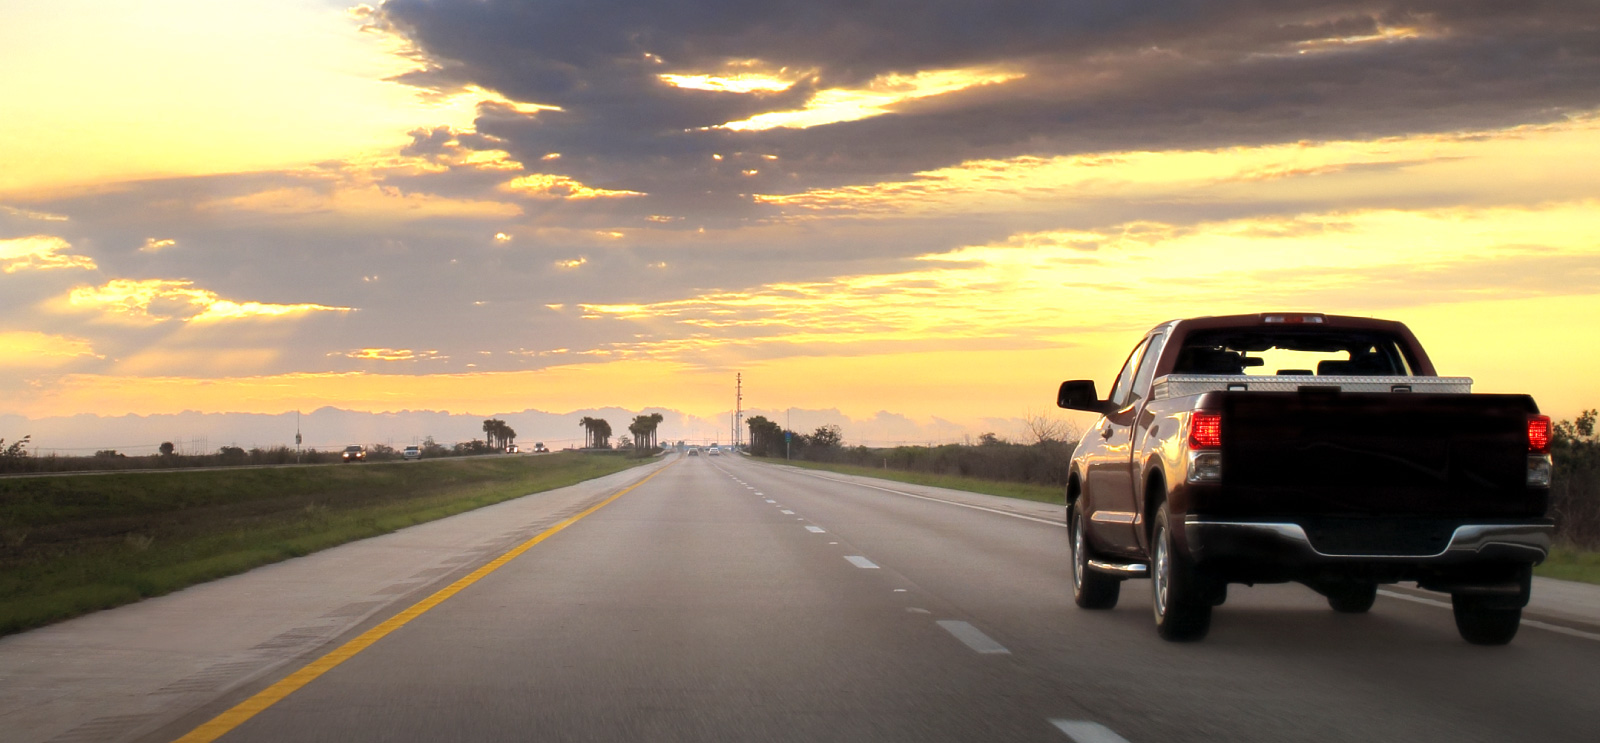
161 300
744 83
544 186
876 98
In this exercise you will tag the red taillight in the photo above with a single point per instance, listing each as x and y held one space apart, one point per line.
1538 434
1205 431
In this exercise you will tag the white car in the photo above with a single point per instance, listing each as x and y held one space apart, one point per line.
411 452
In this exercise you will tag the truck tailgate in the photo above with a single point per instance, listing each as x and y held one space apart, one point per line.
1324 453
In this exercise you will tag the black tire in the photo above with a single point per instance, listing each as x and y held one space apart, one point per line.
1090 590
1182 605
1481 624
1352 598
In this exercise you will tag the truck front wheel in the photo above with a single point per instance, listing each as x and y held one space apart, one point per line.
1182 606
1090 590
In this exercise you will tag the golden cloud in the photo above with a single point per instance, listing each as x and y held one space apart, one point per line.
369 199
39 253
161 300
1546 161
152 245
34 350
392 354
740 83
1015 290
878 97
545 186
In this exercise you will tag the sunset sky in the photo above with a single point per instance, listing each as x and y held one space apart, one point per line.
937 209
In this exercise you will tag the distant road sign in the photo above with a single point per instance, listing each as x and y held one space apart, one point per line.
788 435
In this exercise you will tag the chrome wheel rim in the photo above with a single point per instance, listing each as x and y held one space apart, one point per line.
1162 566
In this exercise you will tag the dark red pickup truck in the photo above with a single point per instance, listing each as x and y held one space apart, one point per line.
1311 448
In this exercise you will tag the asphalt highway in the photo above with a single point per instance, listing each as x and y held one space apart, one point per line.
725 599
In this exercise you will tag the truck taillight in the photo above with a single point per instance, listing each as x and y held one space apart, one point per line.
1538 434
1205 430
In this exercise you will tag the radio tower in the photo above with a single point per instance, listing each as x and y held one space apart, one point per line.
738 410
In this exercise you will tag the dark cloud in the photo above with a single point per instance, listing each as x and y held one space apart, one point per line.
1100 76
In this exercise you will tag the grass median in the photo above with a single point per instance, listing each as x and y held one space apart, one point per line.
72 545
1025 491
1571 563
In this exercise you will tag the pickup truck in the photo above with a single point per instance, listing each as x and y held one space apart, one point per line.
1309 448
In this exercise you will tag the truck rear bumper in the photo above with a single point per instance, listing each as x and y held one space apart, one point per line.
1287 543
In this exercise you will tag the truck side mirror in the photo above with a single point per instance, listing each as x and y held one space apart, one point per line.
1079 394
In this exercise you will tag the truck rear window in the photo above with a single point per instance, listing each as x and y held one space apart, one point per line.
1298 351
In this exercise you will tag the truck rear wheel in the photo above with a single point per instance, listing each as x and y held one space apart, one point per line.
1182 606
1090 590
1482 624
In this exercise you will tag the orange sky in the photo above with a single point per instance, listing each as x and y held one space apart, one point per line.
265 219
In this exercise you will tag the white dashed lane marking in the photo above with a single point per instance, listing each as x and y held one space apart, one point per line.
861 562
1083 731
787 512
815 529
973 637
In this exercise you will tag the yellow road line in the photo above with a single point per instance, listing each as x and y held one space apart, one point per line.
227 721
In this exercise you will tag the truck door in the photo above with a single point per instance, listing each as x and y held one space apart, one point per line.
1108 479
1140 431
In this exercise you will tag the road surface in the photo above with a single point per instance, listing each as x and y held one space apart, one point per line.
726 599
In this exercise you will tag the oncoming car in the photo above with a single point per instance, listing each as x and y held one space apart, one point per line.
412 452
354 453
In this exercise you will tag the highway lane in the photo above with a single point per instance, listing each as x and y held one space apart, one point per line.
731 600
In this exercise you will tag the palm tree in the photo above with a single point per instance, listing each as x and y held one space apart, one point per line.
655 420
602 433
639 428
588 431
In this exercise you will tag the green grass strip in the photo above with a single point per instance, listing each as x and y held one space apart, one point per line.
72 545
1025 491
1571 563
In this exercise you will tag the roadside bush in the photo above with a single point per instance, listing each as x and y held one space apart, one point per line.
1575 486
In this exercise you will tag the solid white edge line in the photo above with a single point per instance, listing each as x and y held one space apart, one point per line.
1534 623
1083 731
972 637
861 562
1061 524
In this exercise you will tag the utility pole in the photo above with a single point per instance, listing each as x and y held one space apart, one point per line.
296 437
738 410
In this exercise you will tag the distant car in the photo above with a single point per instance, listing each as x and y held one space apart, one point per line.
693 452
715 452
538 447
512 449
412 452
354 454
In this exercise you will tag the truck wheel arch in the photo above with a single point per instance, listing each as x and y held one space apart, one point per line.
1155 493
